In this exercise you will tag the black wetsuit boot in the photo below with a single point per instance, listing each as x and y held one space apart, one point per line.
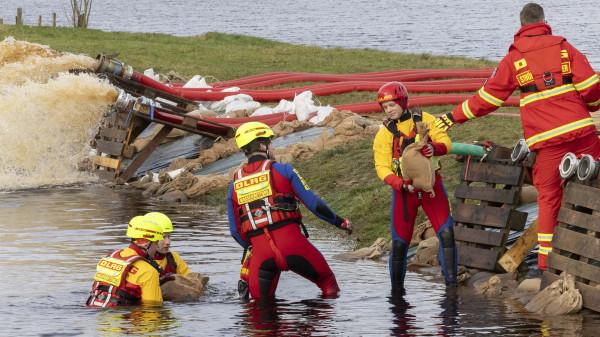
448 256
398 266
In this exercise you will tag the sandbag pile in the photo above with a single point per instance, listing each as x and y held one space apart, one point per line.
184 288
373 252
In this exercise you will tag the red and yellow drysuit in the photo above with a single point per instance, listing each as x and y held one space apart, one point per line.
125 277
388 146
263 214
559 88
171 263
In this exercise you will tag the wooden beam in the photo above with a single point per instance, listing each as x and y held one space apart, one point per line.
511 260
578 243
144 154
487 193
494 173
107 162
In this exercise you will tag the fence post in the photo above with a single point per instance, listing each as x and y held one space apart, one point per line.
39 21
19 19
1 21
54 20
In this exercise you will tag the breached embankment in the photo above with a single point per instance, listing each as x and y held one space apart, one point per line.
47 115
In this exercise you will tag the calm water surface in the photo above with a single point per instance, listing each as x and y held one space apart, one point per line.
474 28
53 238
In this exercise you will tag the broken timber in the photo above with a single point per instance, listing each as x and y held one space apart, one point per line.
576 241
484 211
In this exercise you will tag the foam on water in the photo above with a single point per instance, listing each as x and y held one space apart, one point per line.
47 116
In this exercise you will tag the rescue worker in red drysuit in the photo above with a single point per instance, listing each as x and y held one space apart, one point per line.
263 214
129 276
559 88
398 132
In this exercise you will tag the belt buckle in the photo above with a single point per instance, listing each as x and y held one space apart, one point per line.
549 79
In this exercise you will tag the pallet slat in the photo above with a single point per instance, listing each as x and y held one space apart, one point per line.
582 195
490 238
115 133
483 258
108 147
487 194
576 268
571 217
494 173
107 162
496 217
577 243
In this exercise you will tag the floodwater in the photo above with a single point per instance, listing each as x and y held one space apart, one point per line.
474 28
53 238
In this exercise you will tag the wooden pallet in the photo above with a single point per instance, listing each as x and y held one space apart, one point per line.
113 134
484 211
576 242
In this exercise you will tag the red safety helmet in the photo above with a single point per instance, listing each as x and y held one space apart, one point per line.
393 91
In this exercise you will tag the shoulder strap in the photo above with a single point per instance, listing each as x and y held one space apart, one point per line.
171 260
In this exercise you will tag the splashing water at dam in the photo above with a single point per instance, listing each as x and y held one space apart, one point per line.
47 115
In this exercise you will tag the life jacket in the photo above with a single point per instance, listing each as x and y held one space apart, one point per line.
110 287
541 63
171 267
260 204
400 140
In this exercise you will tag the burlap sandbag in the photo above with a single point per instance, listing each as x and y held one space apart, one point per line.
184 288
416 166
559 298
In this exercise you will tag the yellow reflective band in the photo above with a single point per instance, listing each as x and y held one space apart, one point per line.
540 137
596 103
465 108
545 237
489 98
547 94
587 83
544 250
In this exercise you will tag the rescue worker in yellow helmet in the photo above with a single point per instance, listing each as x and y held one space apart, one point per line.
130 276
169 261
263 213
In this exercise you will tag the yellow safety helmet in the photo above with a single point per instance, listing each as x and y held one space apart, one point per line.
141 227
162 220
249 131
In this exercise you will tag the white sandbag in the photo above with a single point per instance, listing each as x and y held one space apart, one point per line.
231 89
150 73
322 113
241 105
197 82
222 104
304 106
263 110
284 106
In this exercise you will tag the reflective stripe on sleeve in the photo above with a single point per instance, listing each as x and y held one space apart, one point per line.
540 137
466 110
490 98
587 83
596 103
547 94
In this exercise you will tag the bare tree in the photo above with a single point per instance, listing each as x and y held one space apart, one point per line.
80 10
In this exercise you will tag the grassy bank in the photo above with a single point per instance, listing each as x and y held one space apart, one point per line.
344 176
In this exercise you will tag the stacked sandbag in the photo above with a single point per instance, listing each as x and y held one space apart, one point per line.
184 288
373 252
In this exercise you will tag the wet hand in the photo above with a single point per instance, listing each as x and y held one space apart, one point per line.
407 185
444 122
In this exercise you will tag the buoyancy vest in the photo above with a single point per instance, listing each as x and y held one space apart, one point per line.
110 287
400 140
260 204
541 63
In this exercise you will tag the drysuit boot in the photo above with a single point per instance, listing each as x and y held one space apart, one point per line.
398 266
448 257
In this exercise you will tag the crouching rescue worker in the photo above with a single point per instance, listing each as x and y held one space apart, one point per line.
129 276
263 214
398 132
559 89
170 262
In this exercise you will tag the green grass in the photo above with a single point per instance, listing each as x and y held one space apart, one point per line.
343 176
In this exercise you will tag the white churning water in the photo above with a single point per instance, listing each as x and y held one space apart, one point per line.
47 115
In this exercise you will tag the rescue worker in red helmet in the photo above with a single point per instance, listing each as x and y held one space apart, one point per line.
170 262
263 214
559 89
129 276
398 132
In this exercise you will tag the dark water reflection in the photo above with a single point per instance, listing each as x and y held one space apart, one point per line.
53 238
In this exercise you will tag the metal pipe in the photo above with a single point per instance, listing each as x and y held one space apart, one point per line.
113 67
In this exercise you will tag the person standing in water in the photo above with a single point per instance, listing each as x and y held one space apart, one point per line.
169 261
